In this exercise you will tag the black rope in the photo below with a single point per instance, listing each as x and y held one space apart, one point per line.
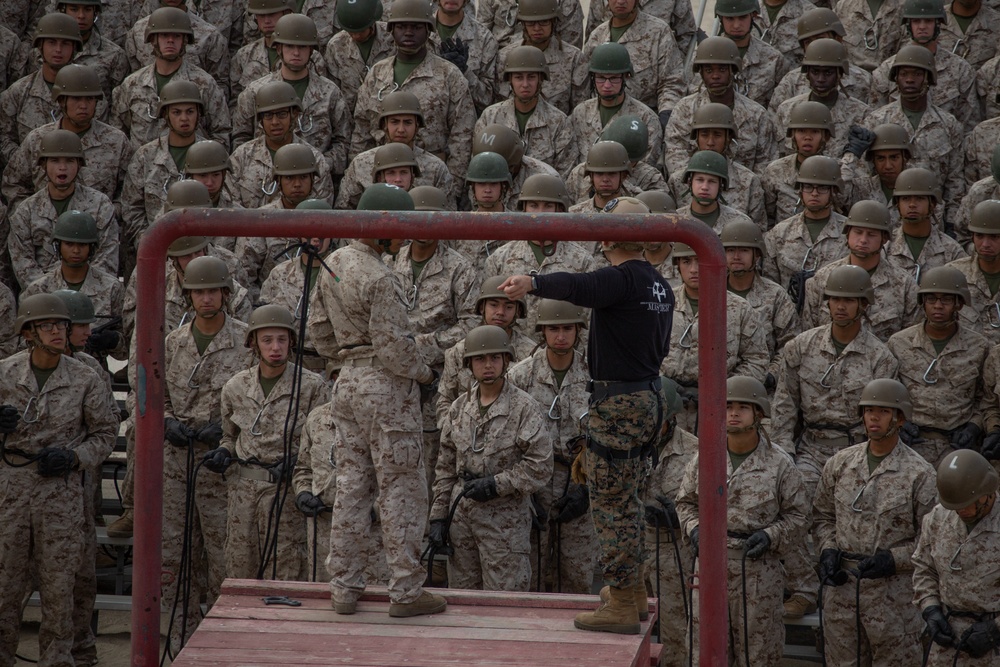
857 618
822 633
431 550
694 562
746 621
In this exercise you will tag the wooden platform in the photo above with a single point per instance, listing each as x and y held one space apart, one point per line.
478 630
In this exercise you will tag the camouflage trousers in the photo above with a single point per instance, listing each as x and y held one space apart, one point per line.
250 515
41 532
379 454
568 550
207 536
890 623
673 592
491 543
319 552
85 587
620 423
764 582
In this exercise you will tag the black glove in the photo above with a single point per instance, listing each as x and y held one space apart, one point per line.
938 626
664 117
694 541
309 503
455 51
574 504
280 469
757 544
218 460
990 450
770 382
880 564
830 572
427 390
9 416
438 534
56 462
539 517
859 140
909 433
980 639
689 396
210 434
662 513
482 489
177 432
966 436
102 342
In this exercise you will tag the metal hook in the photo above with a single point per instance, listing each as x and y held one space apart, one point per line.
854 503
928 371
153 104
511 18
183 319
555 408
273 185
805 259
298 308
871 37
475 439
33 401
951 564
255 426
410 298
305 130
959 43
916 274
993 324
395 87
190 381
822 380
686 345
52 114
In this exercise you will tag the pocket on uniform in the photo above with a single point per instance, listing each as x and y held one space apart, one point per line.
399 451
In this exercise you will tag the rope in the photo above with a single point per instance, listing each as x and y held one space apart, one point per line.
746 621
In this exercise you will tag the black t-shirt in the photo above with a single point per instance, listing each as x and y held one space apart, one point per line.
632 313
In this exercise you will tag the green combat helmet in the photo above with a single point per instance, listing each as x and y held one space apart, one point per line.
631 132
488 167
745 389
385 197
708 162
886 393
964 477
359 15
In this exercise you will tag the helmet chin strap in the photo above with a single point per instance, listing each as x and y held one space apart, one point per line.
943 326
917 95
893 430
274 364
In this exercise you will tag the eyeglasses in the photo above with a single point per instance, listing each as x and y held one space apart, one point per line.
603 78
543 22
280 115
49 327
946 299
812 187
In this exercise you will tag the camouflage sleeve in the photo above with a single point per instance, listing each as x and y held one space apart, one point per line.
17 183
216 57
21 248
391 333
461 119
219 123
445 470
365 112
244 118
753 357
785 407
756 208
302 474
954 176
230 431
320 327
101 422
672 85
813 305
340 123
926 581
924 498
687 497
824 508
132 201
8 125
534 439
448 388
120 115
107 252
794 515
990 402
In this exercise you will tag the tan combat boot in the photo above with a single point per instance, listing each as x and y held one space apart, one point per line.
618 614
427 603
123 525
641 595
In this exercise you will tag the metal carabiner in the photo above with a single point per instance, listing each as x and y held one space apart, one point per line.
993 324
822 380
153 104
255 426
958 43
32 402
511 18
298 308
475 439
686 345
951 564
805 258
555 408
395 87
871 37
190 381
854 503
273 185
916 274
306 130
929 369
52 114
410 298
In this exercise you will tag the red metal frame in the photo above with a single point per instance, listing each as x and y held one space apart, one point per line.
150 290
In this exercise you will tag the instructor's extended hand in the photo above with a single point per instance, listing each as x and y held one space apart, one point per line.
516 287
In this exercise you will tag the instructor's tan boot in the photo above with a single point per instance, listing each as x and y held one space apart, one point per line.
427 603
640 593
618 614
123 526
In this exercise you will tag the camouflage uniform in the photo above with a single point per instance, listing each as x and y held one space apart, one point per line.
209 51
251 63
444 98
845 112
585 127
977 43
939 250
107 152
13 59
881 31
316 472
345 66
517 258
283 286
117 18
492 540
8 311
956 566
25 105
323 14
580 188
811 421
988 86
43 516
376 411
569 79
746 347
258 255
252 172
764 493
569 550
981 190
895 304
358 176
547 136
979 145
324 114
777 317
529 167
30 239
981 315
500 18
758 144
856 84
675 12
665 480
193 390
938 409
745 192
104 289
937 145
763 67
955 91
727 214
106 57
244 408
783 32
482 69
858 511
790 249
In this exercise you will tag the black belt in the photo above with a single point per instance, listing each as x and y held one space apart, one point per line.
642 451
599 389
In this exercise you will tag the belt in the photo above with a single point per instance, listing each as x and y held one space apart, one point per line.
600 389
19 460
358 362
254 472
